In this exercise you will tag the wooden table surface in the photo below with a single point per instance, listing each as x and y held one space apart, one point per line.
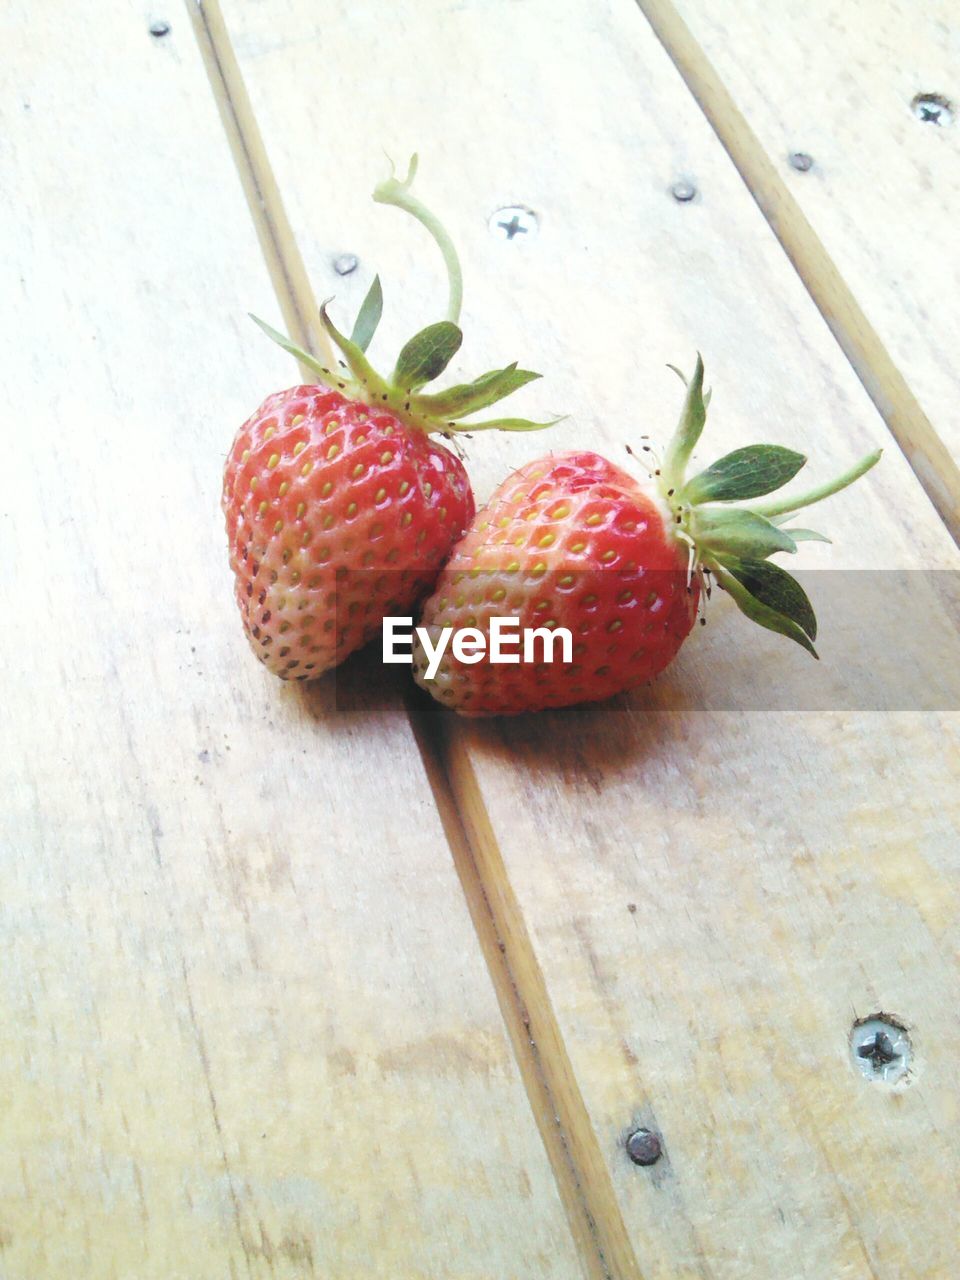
322 982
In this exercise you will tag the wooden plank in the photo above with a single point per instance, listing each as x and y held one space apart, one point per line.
245 1026
696 903
870 226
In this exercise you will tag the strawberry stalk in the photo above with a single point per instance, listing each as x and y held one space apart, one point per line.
788 505
423 358
733 541
393 191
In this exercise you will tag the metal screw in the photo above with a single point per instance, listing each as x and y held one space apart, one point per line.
346 263
878 1050
644 1147
801 161
159 29
933 108
881 1049
513 220
683 191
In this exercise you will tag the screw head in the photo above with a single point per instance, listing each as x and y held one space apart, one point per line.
881 1049
801 161
513 222
683 191
644 1147
345 264
933 108
159 29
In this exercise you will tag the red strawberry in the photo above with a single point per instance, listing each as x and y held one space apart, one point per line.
340 509
337 514
571 541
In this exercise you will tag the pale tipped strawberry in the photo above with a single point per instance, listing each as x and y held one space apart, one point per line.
573 543
340 505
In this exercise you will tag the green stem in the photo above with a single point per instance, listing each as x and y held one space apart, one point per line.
692 418
393 191
822 491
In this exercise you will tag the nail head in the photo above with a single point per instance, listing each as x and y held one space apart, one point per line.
683 191
801 161
345 264
644 1147
159 29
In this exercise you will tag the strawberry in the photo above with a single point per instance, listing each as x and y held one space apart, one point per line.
337 514
573 542
339 506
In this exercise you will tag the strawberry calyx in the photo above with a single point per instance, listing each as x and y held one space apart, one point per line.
423 358
734 542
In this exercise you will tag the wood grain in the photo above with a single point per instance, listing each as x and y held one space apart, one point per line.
870 227
702 900
245 1026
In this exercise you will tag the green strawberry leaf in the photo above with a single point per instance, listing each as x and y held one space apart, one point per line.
807 535
368 317
469 397
692 419
761 613
683 378
357 362
325 375
745 473
739 533
506 424
427 354
775 588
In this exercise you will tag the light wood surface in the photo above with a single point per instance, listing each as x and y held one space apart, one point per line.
871 226
696 904
254 939
246 1029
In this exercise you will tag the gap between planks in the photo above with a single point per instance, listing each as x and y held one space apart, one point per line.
558 1107
284 263
932 462
578 1165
